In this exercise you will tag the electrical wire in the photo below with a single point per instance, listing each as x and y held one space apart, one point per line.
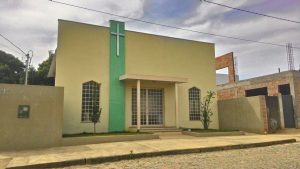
13 44
255 13
169 26
13 50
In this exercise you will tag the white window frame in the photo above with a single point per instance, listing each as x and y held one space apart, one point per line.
89 90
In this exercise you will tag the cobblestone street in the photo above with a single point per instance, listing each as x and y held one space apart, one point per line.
276 157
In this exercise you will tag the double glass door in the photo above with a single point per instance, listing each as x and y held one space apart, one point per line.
151 107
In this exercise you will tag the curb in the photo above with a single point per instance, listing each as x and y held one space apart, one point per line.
213 134
97 160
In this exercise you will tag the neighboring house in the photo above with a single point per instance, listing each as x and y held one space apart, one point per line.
284 83
280 101
139 80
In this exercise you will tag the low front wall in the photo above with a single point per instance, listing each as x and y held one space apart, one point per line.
245 114
297 99
43 128
72 141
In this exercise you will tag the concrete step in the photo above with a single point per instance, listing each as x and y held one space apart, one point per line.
158 129
161 129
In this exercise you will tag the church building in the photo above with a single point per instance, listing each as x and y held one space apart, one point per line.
139 80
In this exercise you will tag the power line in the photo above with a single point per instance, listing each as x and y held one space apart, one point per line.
28 58
169 26
255 13
7 47
13 44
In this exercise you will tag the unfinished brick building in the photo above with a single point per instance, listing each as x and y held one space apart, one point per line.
279 84
227 61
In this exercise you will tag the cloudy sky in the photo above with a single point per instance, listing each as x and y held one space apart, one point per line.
32 24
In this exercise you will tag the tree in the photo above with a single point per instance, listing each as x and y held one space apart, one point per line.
42 73
206 111
95 116
11 69
39 76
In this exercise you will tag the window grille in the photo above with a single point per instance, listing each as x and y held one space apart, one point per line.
151 107
90 94
194 104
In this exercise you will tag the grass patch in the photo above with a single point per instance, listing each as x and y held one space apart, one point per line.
210 130
103 134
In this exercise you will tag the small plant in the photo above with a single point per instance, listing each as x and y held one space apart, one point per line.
206 111
95 116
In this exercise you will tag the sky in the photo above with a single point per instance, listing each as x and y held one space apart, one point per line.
32 25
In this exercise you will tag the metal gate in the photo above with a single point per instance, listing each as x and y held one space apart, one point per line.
288 111
273 113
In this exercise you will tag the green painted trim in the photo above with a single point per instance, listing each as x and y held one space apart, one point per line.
116 87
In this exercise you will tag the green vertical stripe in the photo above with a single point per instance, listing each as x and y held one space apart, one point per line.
117 87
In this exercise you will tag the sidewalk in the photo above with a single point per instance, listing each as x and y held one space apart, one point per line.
96 153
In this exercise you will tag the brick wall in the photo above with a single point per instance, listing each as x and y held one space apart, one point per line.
264 112
238 90
226 61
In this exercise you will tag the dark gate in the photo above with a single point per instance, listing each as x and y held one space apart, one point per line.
288 111
273 113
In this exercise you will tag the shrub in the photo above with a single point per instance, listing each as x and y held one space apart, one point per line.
206 111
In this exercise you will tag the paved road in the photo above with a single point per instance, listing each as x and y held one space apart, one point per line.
274 157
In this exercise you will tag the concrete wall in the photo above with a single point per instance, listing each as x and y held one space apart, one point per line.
297 98
83 55
245 113
43 128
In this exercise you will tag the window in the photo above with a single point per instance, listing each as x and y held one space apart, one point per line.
90 98
257 92
284 89
194 103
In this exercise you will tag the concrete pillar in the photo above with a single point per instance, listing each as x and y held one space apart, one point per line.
281 113
138 104
176 106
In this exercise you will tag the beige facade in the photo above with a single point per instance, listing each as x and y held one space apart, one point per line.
83 55
170 57
43 127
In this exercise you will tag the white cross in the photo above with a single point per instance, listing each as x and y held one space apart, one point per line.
118 34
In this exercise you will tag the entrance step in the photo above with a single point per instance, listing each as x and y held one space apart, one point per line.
162 129
157 129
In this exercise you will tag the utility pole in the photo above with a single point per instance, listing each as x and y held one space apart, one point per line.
27 55
27 64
